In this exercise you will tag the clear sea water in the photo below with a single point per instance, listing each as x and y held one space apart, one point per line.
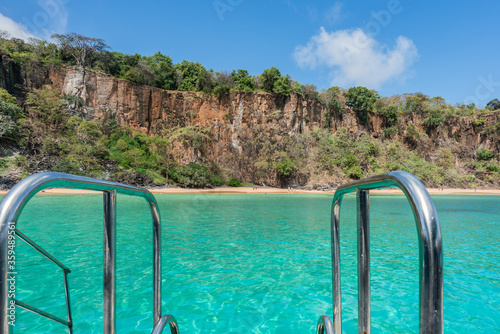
256 263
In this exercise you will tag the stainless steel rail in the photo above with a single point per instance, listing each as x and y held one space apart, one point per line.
41 250
17 198
42 313
166 319
324 326
430 250
66 271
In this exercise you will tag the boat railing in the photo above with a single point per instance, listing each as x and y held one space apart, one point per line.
164 321
66 271
10 210
324 326
430 250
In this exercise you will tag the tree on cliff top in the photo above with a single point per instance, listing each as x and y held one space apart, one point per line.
83 49
493 104
242 80
362 100
268 78
334 100
190 76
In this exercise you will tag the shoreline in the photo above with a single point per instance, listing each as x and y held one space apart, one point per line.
266 190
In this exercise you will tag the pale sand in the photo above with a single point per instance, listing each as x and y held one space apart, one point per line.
265 190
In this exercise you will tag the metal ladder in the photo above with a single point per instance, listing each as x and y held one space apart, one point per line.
66 271
430 249
430 252
10 210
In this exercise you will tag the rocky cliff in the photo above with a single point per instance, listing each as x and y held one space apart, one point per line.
237 123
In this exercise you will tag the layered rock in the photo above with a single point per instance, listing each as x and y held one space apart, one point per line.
232 120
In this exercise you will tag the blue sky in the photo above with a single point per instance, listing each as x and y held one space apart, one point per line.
440 48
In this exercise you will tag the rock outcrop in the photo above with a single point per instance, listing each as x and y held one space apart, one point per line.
232 121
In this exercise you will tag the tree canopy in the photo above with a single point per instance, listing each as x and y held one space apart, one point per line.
83 49
494 104
268 78
362 100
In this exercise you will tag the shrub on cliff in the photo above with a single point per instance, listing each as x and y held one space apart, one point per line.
268 79
493 104
242 80
45 109
10 115
484 155
234 182
190 76
195 175
6 97
435 117
362 100
285 167
283 86
223 83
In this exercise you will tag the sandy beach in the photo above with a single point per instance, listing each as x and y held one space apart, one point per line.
269 190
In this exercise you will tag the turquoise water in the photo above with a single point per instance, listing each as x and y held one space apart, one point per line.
256 263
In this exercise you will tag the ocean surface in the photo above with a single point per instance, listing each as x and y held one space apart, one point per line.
255 263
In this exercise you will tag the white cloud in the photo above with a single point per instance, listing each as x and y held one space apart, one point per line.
355 58
15 29
51 16
57 14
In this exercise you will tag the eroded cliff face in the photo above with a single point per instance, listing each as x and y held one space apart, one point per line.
234 122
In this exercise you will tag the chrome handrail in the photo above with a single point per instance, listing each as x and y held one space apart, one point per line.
324 326
43 313
16 199
66 271
166 319
40 250
430 250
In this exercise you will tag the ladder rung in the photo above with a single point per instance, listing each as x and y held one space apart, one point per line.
42 313
41 250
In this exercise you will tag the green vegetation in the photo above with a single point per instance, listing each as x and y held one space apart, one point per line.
195 175
484 155
234 182
362 101
84 50
269 78
344 155
47 129
491 129
242 80
334 100
365 156
160 71
69 144
285 167
11 116
493 104
157 70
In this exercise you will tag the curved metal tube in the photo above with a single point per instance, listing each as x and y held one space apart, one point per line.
430 246
324 326
166 319
17 198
